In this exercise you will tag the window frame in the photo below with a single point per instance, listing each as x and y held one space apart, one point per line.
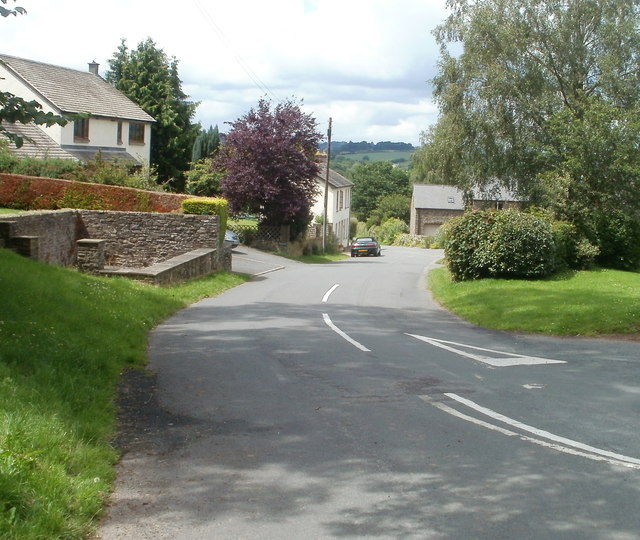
140 129
81 130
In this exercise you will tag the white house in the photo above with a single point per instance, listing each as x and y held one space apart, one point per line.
339 201
116 127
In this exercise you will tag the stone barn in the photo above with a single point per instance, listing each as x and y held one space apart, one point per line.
432 205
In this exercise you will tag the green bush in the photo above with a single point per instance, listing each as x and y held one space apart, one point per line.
209 206
387 232
571 249
440 238
413 240
519 245
619 239
464 237
505 244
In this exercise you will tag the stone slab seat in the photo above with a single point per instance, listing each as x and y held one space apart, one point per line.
195 263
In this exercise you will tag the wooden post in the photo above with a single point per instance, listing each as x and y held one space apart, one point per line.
326 192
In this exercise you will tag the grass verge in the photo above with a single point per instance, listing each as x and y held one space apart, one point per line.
315 259
587 303
65 338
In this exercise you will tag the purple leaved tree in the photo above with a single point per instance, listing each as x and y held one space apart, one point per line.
269 159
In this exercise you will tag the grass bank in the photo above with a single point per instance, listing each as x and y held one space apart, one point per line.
64 340
588 303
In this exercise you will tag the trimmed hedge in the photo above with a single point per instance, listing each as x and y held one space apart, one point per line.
209 206
36 193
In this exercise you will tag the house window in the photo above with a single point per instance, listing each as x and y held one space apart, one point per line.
136 133
81 129
341 200
119 136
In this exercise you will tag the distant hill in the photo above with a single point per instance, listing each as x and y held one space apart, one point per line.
342 147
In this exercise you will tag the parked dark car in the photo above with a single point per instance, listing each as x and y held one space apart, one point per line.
231 238
365 245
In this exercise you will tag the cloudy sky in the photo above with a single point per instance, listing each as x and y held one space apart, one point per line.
364 63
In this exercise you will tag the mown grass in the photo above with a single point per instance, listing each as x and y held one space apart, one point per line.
10 211
64 340
321 258
587 303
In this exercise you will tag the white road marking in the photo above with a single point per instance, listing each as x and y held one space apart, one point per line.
325 298
559 443
509 433
533 386
508 360
337 330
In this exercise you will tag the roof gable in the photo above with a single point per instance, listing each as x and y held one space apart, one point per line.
443 197
73 91
336 180
438 197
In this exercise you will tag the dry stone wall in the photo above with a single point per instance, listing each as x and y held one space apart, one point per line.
140 239
95 240
56 232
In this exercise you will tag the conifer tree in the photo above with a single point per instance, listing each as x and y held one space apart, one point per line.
150 78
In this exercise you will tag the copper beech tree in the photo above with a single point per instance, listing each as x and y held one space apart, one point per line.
269 161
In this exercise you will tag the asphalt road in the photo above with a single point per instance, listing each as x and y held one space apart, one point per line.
338 401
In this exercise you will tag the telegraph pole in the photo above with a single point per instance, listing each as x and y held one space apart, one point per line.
326 192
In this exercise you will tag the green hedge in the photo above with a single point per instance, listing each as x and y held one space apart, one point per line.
209 206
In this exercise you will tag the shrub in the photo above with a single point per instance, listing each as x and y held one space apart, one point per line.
387 232
619 239
571 249
506 244
519 245
209 206
353 226
440 238
413 240
464 238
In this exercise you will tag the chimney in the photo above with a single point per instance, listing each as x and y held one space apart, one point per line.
94 67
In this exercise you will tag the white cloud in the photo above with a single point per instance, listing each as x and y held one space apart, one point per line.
365 63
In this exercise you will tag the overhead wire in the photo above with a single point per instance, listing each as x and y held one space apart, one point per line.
239 60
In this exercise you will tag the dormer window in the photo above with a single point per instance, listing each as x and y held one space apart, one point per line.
450 200
136 133
81 130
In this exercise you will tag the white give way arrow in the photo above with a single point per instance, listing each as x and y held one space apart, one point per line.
504 360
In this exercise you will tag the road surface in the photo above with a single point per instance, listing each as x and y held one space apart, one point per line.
338 401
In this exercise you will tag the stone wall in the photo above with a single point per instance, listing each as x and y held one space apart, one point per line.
141 239
93 240
57 233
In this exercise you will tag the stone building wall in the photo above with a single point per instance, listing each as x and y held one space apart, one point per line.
427 221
